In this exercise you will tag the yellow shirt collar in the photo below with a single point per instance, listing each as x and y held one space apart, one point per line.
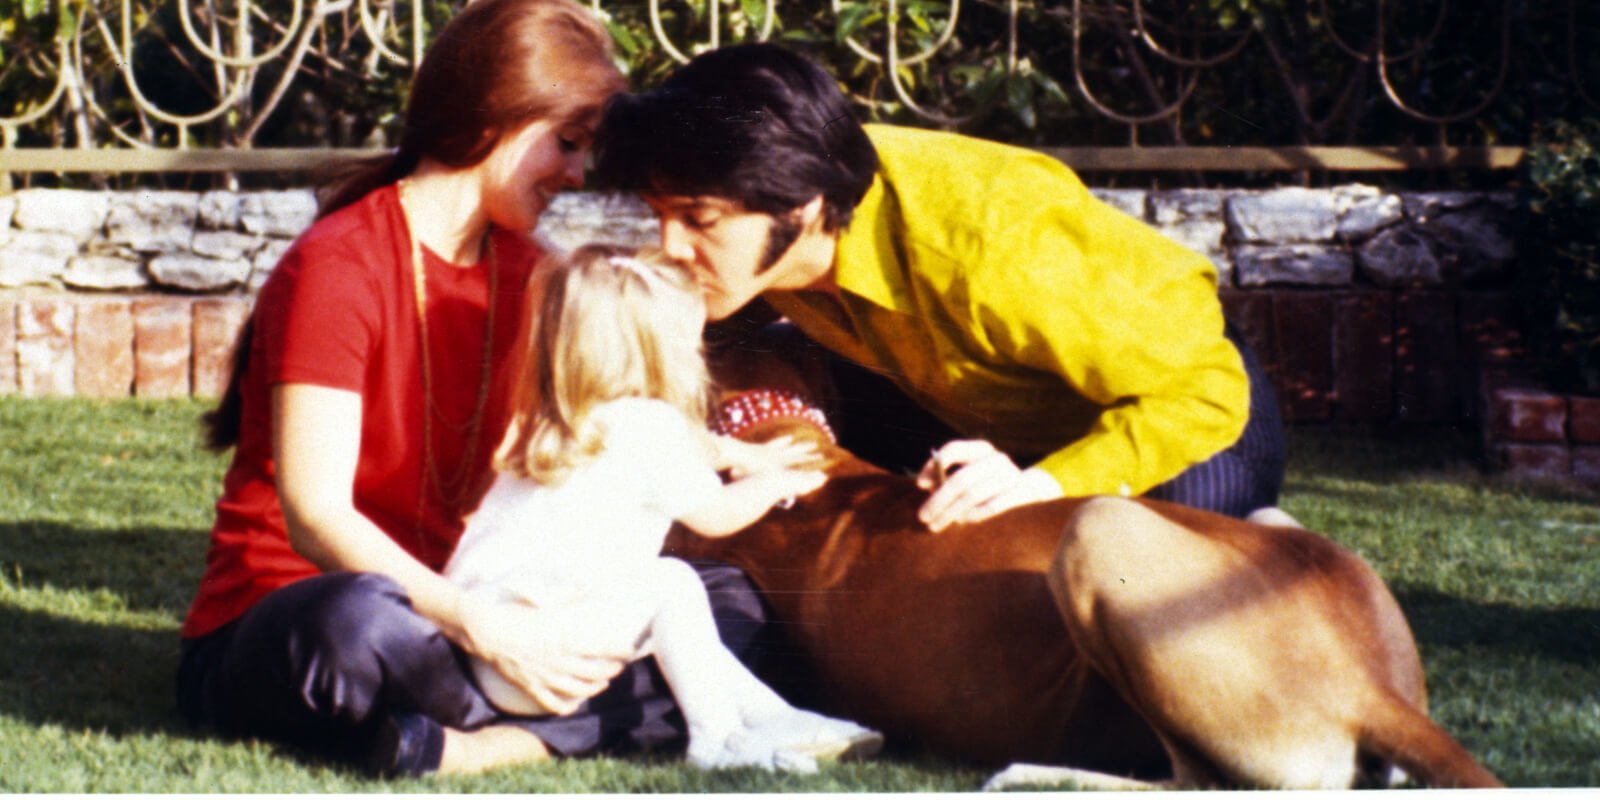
866 262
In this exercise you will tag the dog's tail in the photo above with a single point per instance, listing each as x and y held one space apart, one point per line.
1401 734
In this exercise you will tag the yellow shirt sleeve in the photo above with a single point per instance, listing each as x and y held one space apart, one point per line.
1172 390
1019 308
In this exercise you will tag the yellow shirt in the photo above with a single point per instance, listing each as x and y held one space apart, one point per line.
999 294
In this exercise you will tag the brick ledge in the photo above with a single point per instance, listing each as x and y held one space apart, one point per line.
150 345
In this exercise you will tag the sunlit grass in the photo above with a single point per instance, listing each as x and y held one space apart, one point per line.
104 509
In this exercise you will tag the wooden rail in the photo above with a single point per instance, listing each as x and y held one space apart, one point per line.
130 160
1086 159
1287 159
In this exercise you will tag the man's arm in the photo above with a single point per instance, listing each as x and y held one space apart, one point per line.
1129 321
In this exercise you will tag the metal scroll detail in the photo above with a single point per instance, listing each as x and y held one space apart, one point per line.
93 90
245 86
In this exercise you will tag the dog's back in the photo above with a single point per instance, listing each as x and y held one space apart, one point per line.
1229 652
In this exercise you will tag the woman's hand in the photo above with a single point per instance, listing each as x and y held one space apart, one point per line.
971 480
550 656
743 459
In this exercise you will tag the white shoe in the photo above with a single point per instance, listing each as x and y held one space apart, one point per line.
819 737
743 749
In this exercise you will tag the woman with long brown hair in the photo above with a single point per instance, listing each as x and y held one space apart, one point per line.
368 397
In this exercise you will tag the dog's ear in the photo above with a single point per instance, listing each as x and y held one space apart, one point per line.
802 432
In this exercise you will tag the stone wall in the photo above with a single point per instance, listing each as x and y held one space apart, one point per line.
146 241
1363 304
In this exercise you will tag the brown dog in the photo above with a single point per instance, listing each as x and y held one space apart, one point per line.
1128 636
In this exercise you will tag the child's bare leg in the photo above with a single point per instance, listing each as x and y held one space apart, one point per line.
734 719
712 688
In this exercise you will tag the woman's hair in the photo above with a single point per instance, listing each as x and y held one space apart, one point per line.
495 67
600 324
754 123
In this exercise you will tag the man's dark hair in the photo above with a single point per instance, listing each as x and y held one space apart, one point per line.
753 123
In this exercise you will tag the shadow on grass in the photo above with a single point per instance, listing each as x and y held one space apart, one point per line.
1368 451
1565 634
62 664
1382 454
149 569
63 667
83 676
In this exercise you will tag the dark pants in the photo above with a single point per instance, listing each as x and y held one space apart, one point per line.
319 663
877 422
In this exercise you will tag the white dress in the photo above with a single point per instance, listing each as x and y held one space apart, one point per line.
553 545
588 551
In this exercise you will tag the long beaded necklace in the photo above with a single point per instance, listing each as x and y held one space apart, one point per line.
452 489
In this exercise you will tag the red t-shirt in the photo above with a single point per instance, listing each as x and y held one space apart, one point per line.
340 311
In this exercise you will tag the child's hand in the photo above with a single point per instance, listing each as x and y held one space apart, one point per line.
788 484
743 459
745 500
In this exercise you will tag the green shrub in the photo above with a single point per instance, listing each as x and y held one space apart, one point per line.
1563 253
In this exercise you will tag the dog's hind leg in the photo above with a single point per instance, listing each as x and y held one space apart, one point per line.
1222 635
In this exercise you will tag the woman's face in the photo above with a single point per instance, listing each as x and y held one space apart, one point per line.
529 166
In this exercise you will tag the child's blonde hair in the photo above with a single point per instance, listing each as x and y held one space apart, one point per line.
600 324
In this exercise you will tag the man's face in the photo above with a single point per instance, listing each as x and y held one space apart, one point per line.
735 253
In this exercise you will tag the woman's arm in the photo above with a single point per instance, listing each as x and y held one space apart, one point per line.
317 443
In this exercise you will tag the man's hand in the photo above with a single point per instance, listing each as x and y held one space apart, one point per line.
972 481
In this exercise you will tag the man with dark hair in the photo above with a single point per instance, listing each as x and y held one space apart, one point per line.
983 283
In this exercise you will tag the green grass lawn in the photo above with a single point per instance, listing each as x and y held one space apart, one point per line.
104 509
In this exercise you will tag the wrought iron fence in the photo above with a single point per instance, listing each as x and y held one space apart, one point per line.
1281 84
